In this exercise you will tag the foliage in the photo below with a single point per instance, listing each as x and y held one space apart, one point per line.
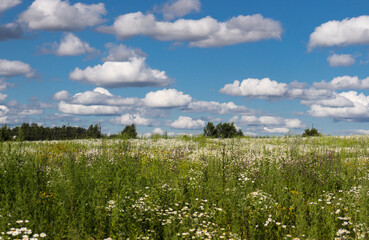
210 130
129 131
222 130
33 132
260 188
313 132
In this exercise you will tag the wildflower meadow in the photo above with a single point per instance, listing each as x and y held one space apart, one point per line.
186 188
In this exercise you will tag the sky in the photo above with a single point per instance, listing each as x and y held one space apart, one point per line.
270 67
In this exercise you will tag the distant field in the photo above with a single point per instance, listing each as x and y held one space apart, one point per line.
186 188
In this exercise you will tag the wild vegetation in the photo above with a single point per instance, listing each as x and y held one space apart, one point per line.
222 130
33 132
186 188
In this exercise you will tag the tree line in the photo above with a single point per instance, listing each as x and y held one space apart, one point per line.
33 132
222 130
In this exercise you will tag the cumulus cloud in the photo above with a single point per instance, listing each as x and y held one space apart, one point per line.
167 98
357 111
216 107
267 121
270 89
132 73
129 119
79 109
10 31
3 84
276 130
122 53
180 8
101 96
349 31
256 88
62 95
358 131
335 101
309 93
27 112
158 131
344 82
71 45
57 15
187 123
3 110
6 4
3 97
15 68
205 32
341 60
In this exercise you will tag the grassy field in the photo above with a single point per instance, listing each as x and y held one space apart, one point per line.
198 188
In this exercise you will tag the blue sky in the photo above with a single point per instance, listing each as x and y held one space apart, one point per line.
271 67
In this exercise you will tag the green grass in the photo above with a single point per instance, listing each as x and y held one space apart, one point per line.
270 188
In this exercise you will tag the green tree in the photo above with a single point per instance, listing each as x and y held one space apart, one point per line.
20 135
226 130
209 130
222 130
313 132
129 131
94 131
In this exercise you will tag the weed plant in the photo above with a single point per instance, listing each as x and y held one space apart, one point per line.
192 188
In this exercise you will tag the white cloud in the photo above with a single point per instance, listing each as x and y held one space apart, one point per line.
79 109
267 121
252 87
293 123
216 107
187 123
180 8
341 60
270 89
10 31
335 101
15 68
129 119
167 98
6 4
309 93
121 53
71 45
28 112
357 111
3 110
276 130
344 82
101 96
205 32
341 33
158 131
3 97
359 131
242 29
57 15
133 73
62 95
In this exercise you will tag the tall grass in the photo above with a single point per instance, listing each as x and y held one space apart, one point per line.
200 188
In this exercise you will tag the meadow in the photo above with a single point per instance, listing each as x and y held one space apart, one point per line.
186 188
